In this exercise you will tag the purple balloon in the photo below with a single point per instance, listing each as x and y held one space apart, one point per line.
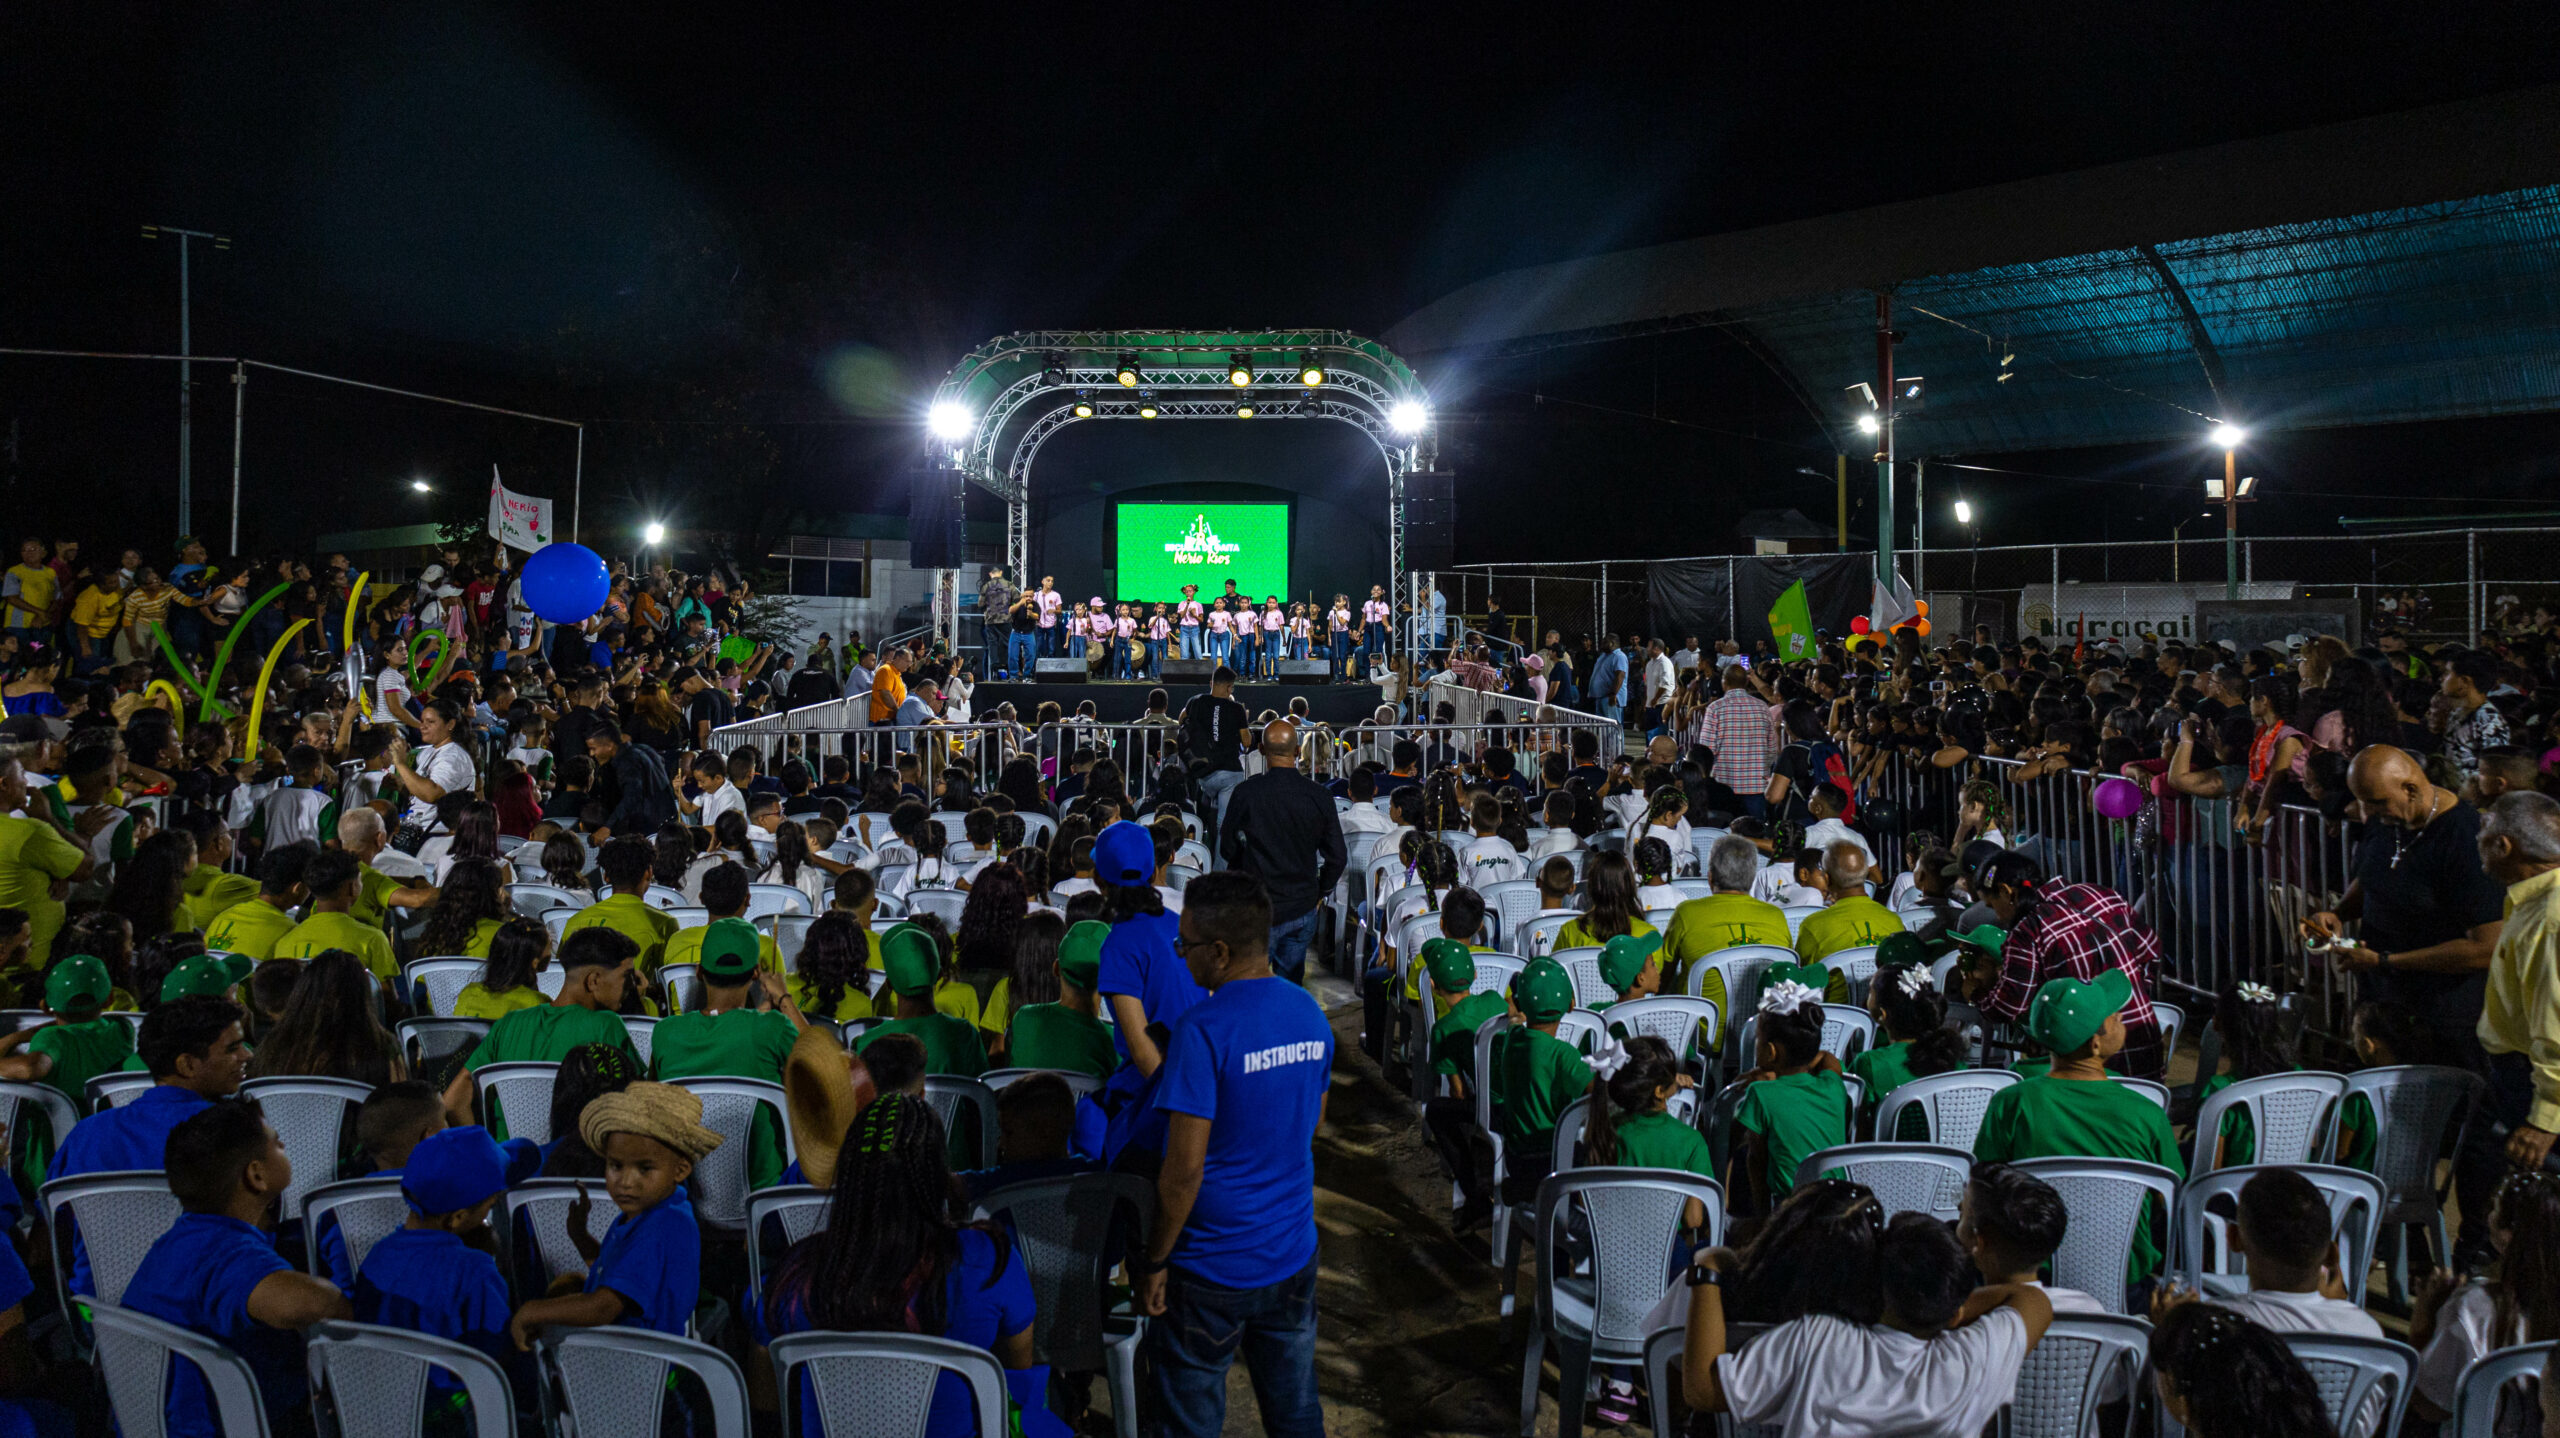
2117 798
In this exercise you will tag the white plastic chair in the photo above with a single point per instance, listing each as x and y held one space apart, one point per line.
371 1382
777 899
363 1211
532 901
688 916
613 1380
311 1117
557 921
2084 1359
1906 1177
2348 1371
999 1080
115 1090
423 1040
135 1354
663 896
778 1218
1510 903
720 1177
2413 1106
522 1092
1588 987
2288 1113
1661 918
946 902
2200 1248
1634 1218
1577 1117
536 1213
683 983
2155 1091
58 1111
2105 1198
1796 915
790 931
1536 936
2172 1021
947 1092
1841 1025
114 1217
1741 967
1953 1104
1063 1227
1691 1026
1702 841
1856 968
1580 1026
432 985
2475 1393
878 1382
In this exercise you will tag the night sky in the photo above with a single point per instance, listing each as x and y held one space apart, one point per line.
745 242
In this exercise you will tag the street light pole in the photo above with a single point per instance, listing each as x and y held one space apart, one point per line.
2230 522
186 368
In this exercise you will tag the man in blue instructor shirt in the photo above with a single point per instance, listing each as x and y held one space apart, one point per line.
1232 1260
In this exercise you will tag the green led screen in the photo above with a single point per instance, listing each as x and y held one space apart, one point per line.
1163 547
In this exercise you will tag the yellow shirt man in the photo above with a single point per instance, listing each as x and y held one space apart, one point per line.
1853 922
33 855
326 930
251 929
211 893
98 612
2520 1011
630 916
30 606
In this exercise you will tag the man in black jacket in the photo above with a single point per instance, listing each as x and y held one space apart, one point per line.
631 783
1282 826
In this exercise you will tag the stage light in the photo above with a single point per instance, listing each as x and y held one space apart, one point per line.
653 534
419 485
1868 424
1147 405
1408 417
1127 374
1964 512
2229 436
1244 408
1084 404
948 419
1310 373
1240 370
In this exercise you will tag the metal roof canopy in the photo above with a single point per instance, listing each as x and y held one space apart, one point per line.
2396 268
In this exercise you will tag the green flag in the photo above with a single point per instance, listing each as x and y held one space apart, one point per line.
1791 620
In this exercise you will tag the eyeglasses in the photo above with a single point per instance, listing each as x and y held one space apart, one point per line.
1183 948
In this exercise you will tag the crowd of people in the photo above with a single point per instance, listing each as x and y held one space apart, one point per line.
208 902
1131 639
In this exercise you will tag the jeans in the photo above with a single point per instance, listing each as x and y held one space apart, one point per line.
1215 786
1155 658
1289 945
1020 648
1240 656
1342 654
1191 641
1048 638
1197 1340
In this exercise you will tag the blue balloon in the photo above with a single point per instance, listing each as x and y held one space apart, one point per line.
565 583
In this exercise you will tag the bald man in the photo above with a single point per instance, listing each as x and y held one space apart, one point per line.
2430 918
1851 920
1282 826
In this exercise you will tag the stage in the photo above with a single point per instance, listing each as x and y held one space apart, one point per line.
1124 701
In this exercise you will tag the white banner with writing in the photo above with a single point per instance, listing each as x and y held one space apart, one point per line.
519 521
2130 614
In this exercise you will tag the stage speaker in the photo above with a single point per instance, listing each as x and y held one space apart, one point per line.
1431 519
1189 671
934 509
1058 671
1305 671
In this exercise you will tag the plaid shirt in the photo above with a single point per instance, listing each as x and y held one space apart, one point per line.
1738 727
2076 932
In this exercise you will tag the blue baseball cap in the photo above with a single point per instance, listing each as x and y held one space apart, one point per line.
457 1168
1125 854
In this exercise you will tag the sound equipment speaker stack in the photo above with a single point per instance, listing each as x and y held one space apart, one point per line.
1431 519
1189 671
1305 671
1068 670
934 507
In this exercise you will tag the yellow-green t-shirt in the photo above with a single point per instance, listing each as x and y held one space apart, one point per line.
1854 922
1575 936
37 584
479 1001
684 946
482 934
324 931
1700 927
33 854
252 928
212 892
855 1005
630 916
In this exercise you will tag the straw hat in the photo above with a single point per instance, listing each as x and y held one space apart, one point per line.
658 1111
823 1088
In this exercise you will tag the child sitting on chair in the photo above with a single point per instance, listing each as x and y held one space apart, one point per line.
647 1273
426 1275
1797 1106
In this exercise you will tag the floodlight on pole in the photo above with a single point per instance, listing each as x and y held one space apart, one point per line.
1408 417
2230 491
2229 436
949 419
653 534
1964 512
420 485
1868 423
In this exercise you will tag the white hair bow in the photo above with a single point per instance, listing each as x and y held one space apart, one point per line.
2256 993
1608 1056
1913 981
1786 997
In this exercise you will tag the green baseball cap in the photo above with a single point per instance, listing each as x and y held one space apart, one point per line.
1543 991
730 949
1986 937
2066 1013
1080 954
1901 949
77 985
1624 957
211 975
911 959
1816 977
1452 965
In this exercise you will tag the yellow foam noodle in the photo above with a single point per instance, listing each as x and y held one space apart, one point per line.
266 671
355 603
177 701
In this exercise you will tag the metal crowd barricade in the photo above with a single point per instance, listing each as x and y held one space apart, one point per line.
1510 714
1139 748
777 737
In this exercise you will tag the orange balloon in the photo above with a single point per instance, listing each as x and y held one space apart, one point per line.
1921 607
1923 627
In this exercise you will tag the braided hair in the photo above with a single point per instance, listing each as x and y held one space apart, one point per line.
891 1236
1914 1012
1629 1093
2236 1379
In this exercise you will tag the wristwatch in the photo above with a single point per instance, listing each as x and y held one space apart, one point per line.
1140 1266
1701 1276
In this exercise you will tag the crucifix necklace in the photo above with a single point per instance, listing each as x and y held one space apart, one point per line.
2400 845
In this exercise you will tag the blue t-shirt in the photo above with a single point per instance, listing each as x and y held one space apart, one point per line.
1255 1059
429 1281
32 1418
654 1260
1138 960
983 1306
198 1276
118 1140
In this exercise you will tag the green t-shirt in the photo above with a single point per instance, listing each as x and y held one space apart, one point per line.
546 1033
951 1046
81 1052
324 931
630 916
2077 1118
738 1043
211 892
1796 1117
1854 922
1453 1039
2034 1067
1657 1140
2361 1129
1882 1070
478 1001
1053 1036
32 855
251 929
1536 1077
